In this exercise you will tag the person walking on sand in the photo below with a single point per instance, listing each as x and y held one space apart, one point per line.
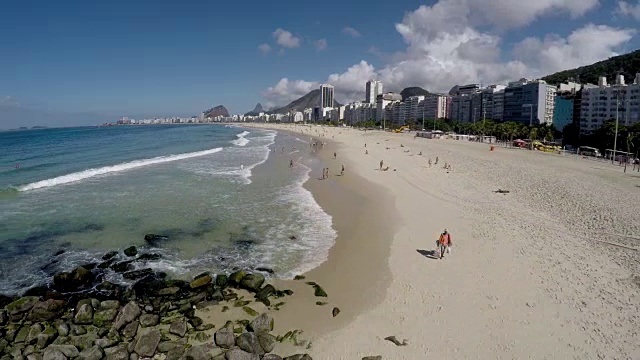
429 162
342 171
335 156
381 163
436 163
327 170
290 163
444 243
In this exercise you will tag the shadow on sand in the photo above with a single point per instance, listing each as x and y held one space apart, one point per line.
431 254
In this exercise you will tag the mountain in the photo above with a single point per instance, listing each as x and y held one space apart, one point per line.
216 111
413 91
310 100
627 65
256 110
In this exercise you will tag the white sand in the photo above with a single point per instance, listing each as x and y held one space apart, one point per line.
526 278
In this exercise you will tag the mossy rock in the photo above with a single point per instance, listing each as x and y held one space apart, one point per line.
225 308
241 303
250 311
319 291
321 303
236 277
299 277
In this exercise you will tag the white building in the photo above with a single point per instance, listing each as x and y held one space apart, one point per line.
382 103
372 90
359 112
326 96
605 102
435 106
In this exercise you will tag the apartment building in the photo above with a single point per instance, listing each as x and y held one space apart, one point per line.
530 102
607 102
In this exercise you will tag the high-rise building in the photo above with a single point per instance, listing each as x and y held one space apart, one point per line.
529 102
326 96
606 102
373 89
462 104
435 106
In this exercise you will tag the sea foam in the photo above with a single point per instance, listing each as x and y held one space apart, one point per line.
89 173
241 140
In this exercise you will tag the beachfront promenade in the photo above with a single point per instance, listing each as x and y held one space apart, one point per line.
533 273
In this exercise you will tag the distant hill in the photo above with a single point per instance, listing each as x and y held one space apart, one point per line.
627 65
216 111
310 100
256 110
413 91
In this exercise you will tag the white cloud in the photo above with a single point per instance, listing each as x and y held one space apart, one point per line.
626 8
264 48
285 91
321 44
351 32
286 39
458 42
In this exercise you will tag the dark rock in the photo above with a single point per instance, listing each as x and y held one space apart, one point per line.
395 340
147 320
200 282
84 342
131 251
84 315
137 274
215 295
166 346
148 342
109 304
130 330
34 331
46 337
149 257
106 264
236 277
127 314
122 266
90 266
265 292
221 280
22 334
252 282
335 311
175 353
46 310
153 239
93 353
168 291
197 298
267 270
39 291
249 343
196 353
22 305
78 330
178 327
267 341
377 357
109 255
262 323
62 328
119 352
238 354
319 291
224 338
59 252
299 277
77 279
195 321
298 357
104 317
4 318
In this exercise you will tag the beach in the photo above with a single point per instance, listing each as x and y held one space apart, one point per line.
532 273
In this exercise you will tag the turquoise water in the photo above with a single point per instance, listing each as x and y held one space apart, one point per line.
222 196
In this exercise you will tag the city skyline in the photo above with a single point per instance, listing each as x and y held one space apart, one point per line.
94 61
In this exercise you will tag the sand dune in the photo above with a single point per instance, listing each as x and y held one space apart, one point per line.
526 279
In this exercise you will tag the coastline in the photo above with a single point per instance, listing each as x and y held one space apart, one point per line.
525 279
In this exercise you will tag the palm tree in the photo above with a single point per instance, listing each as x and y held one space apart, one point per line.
533 135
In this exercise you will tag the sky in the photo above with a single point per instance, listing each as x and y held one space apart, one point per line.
83 62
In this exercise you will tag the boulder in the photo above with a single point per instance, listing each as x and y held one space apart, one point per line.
238 354
249 342
271 357
109 255
119 352
195 321
85 341
178 327
147 320
67 350
267 341
103 317
153 239
84 315
46 310
252 282
175 353
78 278
299 357
265 292
236 277
22 305
34 331
147 342
130 330
200 282
131 251
149 257
319 291
335 311
93 353
127 314
4 318
221 280
46 337
262 323
109 304
22 334
196 353
224 338
168 291
34 356
53 355
122 266
62 328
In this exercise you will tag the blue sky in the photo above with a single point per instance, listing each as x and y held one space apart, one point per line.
113 58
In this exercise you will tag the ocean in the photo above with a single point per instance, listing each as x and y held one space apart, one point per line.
224 197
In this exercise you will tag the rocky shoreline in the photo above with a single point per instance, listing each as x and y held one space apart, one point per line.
81 315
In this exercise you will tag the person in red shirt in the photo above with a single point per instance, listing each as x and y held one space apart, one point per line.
444 242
